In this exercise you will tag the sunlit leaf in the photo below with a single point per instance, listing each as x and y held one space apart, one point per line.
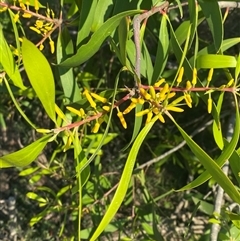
40 75
24 156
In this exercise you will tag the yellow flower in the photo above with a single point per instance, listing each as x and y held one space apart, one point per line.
160 117
209 105
145 94
89 98
149 117
194 80
152 92
174 108
143 112
106 108
188 85
188 100
210 74
98 97
129 108
122 120
96 127
180 75
161 81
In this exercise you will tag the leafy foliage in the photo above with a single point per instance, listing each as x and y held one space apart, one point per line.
100 67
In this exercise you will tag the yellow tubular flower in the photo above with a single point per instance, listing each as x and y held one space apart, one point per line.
52 46
143 112
22 6
174 108
26 15
180 75
188 100
188 85
96 127
209 104
36 5
129 108
149 117
160 117
89 98
194 80
35 30
176 101
172 94
210 74
98 97
156 111
164 90
122 120
106 108
152 92
145 94
41 47
82 112
161 81
73 110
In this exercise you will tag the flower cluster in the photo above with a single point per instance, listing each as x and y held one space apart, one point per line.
155 100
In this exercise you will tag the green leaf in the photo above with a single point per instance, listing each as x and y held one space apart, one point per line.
235 167
162 50
40 76
213 16
237 70
26 155
217 130
87 50
124 181
87 13
69 84
193 12
216 61
213 168
8 63
123 29
148 67
179 53
103 10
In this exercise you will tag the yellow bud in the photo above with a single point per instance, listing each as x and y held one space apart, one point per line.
52 47
89 98
27 15
180 75
73 110
152 92
149 117
106 108
129 108
161 81
36 5
96 127
188 100
22 6
176 101
160 117
162 95
210 74
35 29
209 105
174 108
16 17
156 111
122 120
188 85
41 47
145 94
172 94
194 80
143 112
230 82
98 97
82 112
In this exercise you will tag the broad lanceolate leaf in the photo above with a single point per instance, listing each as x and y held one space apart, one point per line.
212 167
40 76
216 61
124 181
8 63
87 50
24 156
213 16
